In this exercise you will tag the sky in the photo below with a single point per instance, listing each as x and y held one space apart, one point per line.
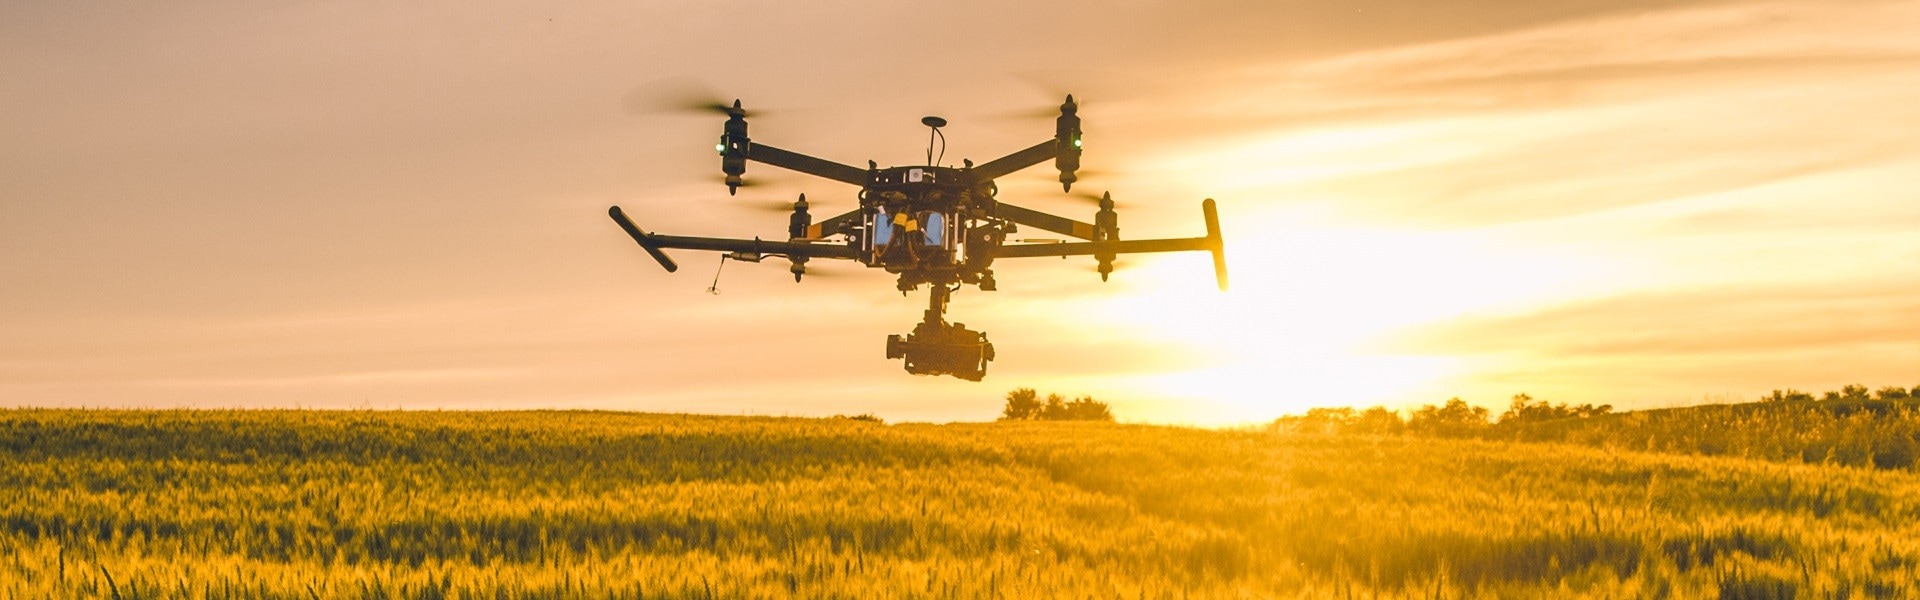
402 205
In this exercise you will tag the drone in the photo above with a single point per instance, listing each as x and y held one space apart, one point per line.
930 225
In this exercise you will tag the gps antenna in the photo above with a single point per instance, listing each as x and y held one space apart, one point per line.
935 123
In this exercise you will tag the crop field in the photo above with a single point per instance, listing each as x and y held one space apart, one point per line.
315 504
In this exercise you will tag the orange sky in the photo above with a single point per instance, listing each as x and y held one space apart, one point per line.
361 204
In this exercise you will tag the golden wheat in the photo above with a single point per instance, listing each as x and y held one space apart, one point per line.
295 504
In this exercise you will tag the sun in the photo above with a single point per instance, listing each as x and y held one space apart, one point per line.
1313 308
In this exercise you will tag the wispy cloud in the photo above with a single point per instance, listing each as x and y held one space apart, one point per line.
1571 117
1843 318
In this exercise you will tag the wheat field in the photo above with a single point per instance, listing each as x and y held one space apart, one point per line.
319 504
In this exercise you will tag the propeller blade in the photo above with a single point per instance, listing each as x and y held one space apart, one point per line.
1053 88
1094 199
1105 86
1081 177
1054 84
678 95
767 206
1026 114
763 184
770 205
813 269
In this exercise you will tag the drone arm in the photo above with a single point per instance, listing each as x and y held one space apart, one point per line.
1211 243
832 224
788 249
819 167
652 243
1064 149
1038 153
647 242
1034 218
1090 248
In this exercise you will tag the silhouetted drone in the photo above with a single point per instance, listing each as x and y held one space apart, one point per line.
934 225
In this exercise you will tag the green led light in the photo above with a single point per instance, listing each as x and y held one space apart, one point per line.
1076 143
721 148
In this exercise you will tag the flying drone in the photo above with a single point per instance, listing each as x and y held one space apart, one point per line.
930 225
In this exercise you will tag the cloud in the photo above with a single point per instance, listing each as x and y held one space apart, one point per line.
1566 118
1732 322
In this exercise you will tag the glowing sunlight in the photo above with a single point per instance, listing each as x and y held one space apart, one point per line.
1312 303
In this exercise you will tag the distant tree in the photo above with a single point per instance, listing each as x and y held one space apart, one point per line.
1085 408
1378 421
1854 393
1892 393
1456 418
1527 410
1343 420
1915 392
868 417
1055 409
1790 395
1332 420
1317 420
1022 404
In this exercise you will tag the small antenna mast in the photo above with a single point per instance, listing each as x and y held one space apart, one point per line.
935 123
715 287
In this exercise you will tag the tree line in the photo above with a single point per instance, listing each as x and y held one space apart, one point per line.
1850 393
1024 404
1454 418
1850 426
